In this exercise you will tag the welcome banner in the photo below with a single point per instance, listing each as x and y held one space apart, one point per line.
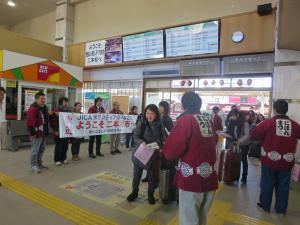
81 125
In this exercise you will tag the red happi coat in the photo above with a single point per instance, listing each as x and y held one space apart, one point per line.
194 142
95 109
279 139
116 111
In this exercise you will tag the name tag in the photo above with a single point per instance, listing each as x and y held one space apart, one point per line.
283 128
204 125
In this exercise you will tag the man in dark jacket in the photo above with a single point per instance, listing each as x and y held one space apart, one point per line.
61 144
37 123
96 108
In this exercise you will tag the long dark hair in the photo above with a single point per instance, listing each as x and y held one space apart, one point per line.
166 107
154 109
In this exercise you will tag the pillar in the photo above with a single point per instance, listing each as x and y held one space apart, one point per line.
64 25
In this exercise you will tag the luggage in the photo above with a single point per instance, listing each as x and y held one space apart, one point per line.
255 149
167 191
296 172
230 164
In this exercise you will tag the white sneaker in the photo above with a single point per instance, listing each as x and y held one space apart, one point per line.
66 161
58 163
35 169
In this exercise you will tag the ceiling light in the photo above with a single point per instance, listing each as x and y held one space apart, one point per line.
11 3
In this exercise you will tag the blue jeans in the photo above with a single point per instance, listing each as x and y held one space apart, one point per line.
280 180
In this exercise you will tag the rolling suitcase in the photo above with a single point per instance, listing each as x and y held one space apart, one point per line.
230 164
167 191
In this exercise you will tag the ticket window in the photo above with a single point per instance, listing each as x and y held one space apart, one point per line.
72 96
157 97
53 95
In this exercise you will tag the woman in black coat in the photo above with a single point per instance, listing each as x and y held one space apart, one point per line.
148 130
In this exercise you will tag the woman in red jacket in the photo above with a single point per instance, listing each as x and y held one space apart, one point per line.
193 141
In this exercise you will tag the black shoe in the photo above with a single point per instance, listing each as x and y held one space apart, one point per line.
151 199
260 207
145 180
244 180
132 196
118 151
113 152
92 156
280 213
100 154
43 167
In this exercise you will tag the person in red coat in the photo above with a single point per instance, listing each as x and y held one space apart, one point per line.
37 125
217 120
279 139
115 138
193 141
96 108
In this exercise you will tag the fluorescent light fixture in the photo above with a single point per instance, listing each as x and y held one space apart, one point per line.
11 3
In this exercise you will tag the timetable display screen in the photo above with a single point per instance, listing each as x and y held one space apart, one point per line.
143 46
202 38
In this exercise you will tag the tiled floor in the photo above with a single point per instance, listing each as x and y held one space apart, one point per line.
234 204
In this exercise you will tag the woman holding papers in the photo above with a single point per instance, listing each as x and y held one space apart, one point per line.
150 134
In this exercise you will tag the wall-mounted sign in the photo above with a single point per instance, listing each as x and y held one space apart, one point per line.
103 52
202 38
95 53
237 36
143 46
113 50
11 83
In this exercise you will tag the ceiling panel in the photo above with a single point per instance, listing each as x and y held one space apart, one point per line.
24 10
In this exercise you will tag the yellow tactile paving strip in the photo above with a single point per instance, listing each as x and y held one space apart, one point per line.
219 213
66 210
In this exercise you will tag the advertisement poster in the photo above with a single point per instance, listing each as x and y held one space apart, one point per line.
82 125
113 50
95 53
89 100
29 98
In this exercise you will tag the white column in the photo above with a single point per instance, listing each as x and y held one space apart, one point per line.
64 25
287 76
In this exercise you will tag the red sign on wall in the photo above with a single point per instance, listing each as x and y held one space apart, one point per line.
48 73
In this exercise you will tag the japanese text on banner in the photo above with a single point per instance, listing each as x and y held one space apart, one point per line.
79 125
